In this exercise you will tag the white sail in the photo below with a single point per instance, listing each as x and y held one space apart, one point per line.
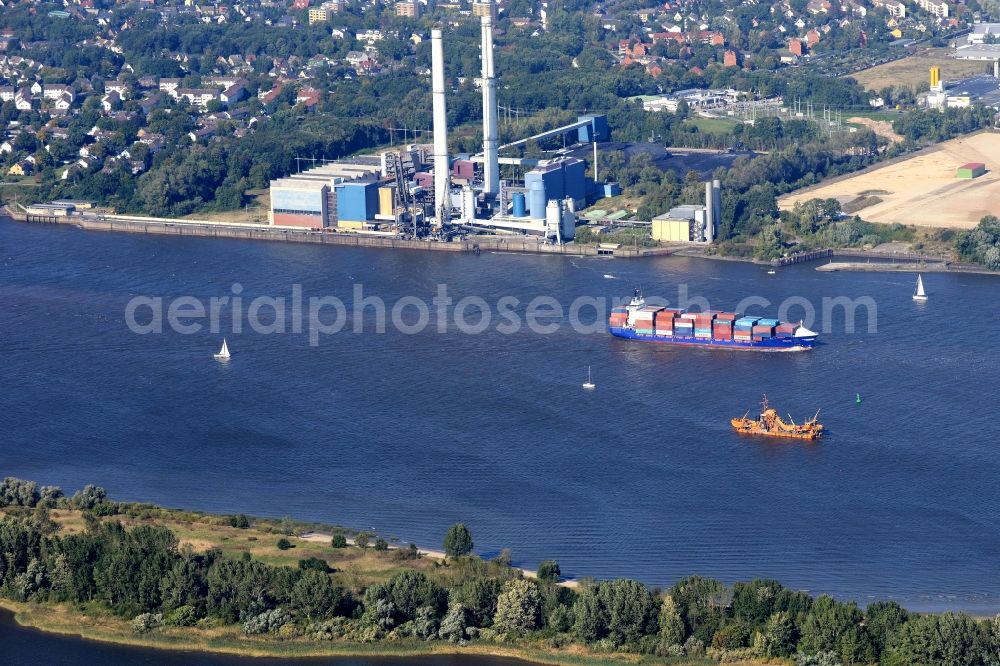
224 352
919 294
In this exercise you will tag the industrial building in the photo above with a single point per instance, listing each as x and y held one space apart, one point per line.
422 190
983 89
971 170
690 223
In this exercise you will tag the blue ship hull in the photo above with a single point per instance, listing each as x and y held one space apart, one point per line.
771 345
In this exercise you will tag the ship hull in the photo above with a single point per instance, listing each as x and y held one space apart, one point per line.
770 345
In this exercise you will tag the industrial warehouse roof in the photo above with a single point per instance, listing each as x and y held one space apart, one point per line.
982 88
310 184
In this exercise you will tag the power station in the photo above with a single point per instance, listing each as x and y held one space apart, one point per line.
422 190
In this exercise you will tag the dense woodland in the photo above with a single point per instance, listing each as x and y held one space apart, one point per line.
141 574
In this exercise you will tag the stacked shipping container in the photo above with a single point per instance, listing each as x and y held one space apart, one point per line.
652 320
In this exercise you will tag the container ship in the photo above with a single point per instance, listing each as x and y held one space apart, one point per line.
729 330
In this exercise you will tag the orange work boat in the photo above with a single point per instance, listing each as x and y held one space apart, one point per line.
770 424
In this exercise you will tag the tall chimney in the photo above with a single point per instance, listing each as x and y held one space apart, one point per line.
717 208
709 210
442 198
491 163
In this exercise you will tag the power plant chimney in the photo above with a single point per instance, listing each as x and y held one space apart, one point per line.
442 186
491 163
709 210
717 207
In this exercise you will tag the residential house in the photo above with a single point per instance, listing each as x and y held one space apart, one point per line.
23 101
199 97
119 87
57 90
234 93
63 102
21 168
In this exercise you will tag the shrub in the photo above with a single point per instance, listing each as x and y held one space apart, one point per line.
89 497
146 622
381 544
268 622
338 541
284 544
315 564
240 521
361 540
693 647
183 616
549 571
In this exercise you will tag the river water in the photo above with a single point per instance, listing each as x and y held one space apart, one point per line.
28 647
410 433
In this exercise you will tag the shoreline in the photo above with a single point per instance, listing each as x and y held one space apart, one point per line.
56 619
502 244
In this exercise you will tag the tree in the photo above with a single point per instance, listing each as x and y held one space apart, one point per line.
518 607
630 607
338 541
590 620
836 627
89 497
15 492
549 571
361 539
883 619
315 596
458 541
381 544
671 623
938 640
453 626
777 637
407 591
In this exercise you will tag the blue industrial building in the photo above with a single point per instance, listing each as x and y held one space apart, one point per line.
357 201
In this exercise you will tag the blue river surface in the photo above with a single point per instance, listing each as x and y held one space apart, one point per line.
408 433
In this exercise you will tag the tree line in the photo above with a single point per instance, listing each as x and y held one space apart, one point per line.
142 574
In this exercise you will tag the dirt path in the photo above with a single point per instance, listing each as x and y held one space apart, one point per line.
319 537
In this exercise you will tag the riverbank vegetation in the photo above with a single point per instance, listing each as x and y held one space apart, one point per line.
142 574
982 244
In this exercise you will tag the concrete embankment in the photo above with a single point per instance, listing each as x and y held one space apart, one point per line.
147 225
935 267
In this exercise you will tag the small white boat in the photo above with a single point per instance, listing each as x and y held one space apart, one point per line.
770 272
223 354
919 294
589 384
608 276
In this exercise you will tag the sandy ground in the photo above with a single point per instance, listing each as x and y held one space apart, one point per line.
916 69
923 190
880 127
319 537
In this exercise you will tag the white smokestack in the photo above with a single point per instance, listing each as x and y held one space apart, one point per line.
491 163
441 179
717 208
709 210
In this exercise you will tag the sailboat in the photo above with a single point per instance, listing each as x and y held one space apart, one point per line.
589 385
223 354
919 294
